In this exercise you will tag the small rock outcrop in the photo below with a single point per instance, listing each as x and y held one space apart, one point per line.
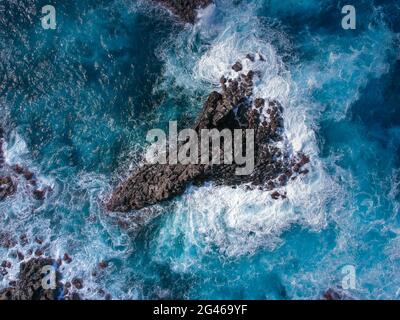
29 283
185 9
31 278
235 107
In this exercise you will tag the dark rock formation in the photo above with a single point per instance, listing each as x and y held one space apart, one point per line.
29 285
67 258
251 57
39 194
77 283
237 66
233 108
7 240
185 9
7 185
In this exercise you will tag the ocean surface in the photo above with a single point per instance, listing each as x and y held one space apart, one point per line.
76 104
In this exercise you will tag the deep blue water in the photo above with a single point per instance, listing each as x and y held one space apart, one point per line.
77 102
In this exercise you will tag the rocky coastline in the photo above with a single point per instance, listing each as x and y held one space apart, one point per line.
234 107
29 283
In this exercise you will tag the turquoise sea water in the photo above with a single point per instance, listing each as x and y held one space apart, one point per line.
76 104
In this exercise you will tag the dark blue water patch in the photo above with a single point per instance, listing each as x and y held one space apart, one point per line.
378 109
379 101
391 10
94 75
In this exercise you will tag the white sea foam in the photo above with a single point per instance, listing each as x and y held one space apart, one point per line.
233 222
206 15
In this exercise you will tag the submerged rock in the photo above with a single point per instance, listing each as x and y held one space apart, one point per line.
336 294
77 283
233 108
237 66
7 187
275 195
39 194
251 57
13 175
29 283
186 9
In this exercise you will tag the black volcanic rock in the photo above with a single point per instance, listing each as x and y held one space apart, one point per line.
185 9
336 294
237 66
77 283
1 147
13 175
29 284
233 108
